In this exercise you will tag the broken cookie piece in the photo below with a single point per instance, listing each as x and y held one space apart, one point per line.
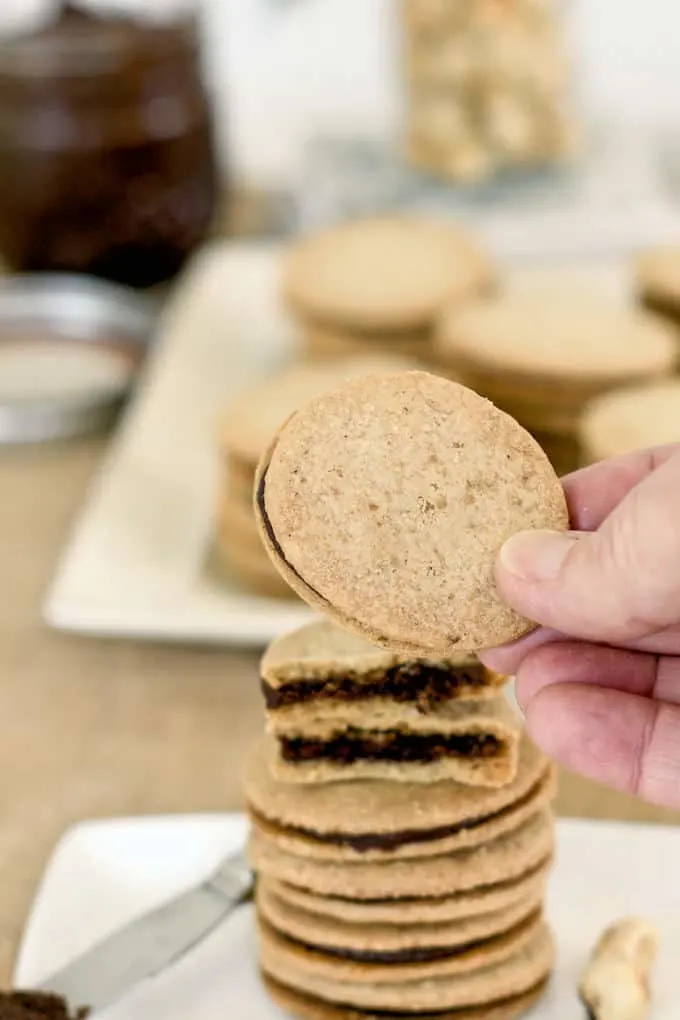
341 708
616 982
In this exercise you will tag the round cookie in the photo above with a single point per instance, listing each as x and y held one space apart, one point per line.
632 419
527 887
384 273
560 336
368 967
392 820
315 930
308 1007
252 419
518 974
657 279
502 860
251 569
385 503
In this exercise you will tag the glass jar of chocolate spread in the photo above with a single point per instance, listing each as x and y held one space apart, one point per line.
107 162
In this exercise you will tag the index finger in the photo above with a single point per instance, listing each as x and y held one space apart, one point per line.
593 492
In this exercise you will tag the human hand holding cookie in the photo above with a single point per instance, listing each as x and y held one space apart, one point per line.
600 681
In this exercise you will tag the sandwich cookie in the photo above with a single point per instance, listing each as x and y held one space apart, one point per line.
402 912
384 820
308 1007
318 931
524 971
632 419
657 281
383 274
501 860
369 966
385 503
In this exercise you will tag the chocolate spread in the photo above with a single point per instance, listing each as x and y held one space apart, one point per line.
36 1006
423 683
389 745
106 151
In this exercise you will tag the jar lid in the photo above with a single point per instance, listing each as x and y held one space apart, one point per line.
70 350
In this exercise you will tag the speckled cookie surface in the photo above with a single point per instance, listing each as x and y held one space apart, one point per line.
632 419
501 860
517 974
385 504
525 888
351 966
381 273
250 422
415 813
565 335
324 651
413 843
308 1007
316 930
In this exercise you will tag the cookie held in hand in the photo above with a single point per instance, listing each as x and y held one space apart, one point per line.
385 503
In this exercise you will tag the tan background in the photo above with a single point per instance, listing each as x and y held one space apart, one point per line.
94 728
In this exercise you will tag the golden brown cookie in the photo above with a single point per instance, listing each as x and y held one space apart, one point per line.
385 504
657 280
503 859
518 973
631 419
408 911
309 1007
386 273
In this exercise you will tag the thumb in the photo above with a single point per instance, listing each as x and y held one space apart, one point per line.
616 585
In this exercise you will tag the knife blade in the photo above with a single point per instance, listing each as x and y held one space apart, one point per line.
150 943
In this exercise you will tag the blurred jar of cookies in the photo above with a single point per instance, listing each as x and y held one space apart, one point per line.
107 161
488 86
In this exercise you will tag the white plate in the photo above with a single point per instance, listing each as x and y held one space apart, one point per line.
104 873
137 562
136 565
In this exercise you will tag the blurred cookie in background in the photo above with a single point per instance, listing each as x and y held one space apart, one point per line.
246 430
543 357
657 282
636 418
378 285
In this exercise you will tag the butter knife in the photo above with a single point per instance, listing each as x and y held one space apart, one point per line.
149 944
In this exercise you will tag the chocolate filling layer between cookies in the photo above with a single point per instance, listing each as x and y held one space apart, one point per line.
420 954
391 840
343 1011
424 684
390 745
408 900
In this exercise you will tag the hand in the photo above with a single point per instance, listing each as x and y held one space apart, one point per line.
599 682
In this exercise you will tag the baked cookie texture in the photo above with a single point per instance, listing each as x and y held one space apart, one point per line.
384 504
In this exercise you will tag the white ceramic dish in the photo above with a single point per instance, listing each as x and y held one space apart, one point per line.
136 563
104 873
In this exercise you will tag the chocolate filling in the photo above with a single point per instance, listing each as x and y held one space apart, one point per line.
355 745
342 1011
421 954
29 1005
666 307
411 900
422 683
391 840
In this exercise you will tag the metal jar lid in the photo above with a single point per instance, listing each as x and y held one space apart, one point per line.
70 350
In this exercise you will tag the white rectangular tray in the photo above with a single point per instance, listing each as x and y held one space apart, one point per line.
105 873
137 562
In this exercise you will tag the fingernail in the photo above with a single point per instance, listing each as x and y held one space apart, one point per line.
536 555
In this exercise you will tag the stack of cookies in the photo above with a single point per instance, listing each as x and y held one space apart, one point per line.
246 431
402 835
543 356
379 285
631 419
657 282
488 86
